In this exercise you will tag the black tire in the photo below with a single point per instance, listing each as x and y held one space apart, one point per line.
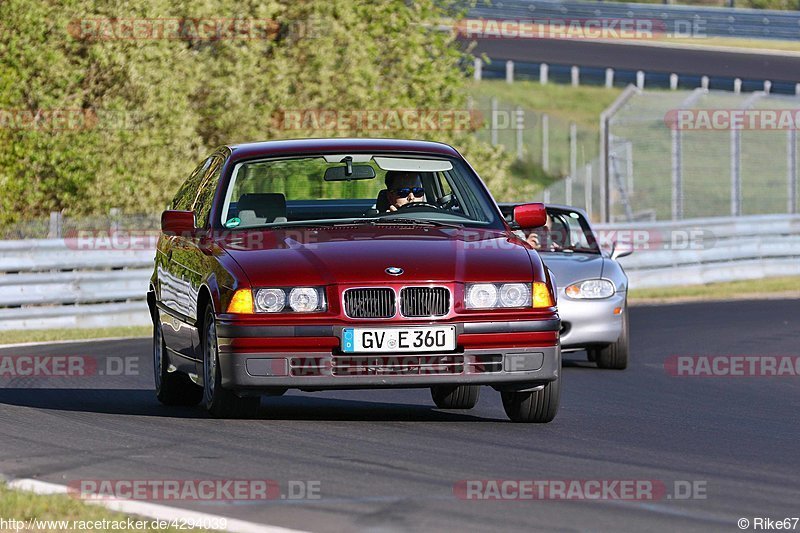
539 406
220 402
615 356
172 388
455 396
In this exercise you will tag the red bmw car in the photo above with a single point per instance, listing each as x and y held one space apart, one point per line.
347 264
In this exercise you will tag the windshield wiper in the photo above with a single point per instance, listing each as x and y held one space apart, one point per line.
416 222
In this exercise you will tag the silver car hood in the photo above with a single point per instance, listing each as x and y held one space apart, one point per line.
567 268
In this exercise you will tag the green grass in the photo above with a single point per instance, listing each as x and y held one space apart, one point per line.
20 505
564 103
721 291
47 335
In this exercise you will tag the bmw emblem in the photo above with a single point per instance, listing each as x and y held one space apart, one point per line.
394 271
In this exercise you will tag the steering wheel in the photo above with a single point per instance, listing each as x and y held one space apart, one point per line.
415 205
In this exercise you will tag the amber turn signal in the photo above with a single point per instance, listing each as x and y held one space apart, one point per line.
242 302
541 295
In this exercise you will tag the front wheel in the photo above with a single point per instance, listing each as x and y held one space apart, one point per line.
172 388
615 356
220 402
455 396
539 406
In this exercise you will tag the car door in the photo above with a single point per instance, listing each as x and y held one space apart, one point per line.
190 259
173 292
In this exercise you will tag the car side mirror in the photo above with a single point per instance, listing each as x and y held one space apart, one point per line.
177 222
617 253
530 216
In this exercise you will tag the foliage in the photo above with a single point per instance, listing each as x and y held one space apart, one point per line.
142 112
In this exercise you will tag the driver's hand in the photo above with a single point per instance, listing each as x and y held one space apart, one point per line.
533 240
392 208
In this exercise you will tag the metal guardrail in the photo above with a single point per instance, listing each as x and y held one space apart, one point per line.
716 21
721 249
49 284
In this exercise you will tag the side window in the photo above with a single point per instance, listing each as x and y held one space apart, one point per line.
188 192
205 197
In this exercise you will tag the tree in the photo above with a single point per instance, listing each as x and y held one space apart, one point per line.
143 111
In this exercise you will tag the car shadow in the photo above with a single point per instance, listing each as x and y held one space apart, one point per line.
290 407
576 360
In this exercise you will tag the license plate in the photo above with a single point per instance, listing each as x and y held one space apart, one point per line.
399 340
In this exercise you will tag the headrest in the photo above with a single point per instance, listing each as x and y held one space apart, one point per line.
265 205
382 202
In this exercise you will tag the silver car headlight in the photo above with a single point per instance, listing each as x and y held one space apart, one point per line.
497 295
290 299
591 289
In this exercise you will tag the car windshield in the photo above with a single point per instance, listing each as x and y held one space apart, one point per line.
356 188
566 231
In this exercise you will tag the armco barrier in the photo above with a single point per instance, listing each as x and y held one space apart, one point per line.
48 284
711 21
732 249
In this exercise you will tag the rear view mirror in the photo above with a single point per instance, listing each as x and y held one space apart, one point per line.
177 222
349 172
530 216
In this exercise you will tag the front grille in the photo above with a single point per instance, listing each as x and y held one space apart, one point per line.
369 303
302 366
486 364
406 365
424 301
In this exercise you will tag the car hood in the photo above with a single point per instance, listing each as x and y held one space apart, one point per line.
567 268
362 253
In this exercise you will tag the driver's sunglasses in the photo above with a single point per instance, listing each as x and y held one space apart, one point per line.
418 191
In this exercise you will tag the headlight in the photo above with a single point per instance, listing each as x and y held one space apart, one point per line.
481 296
515 295
304 299
591 289
299 300
270 300
503 295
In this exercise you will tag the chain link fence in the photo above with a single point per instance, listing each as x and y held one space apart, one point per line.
558 147
673 155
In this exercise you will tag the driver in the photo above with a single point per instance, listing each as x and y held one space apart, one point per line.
403 187
543 239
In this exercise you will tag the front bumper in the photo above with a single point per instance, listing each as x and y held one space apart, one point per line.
586 323
506 355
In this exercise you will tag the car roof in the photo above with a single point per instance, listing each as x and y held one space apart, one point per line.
338 145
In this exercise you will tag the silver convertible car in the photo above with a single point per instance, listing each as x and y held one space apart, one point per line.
591 285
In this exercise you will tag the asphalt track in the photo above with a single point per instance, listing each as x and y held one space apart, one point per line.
682 60
388 460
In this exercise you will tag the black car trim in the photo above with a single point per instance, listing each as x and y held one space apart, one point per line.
176 314
236 331
521 326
